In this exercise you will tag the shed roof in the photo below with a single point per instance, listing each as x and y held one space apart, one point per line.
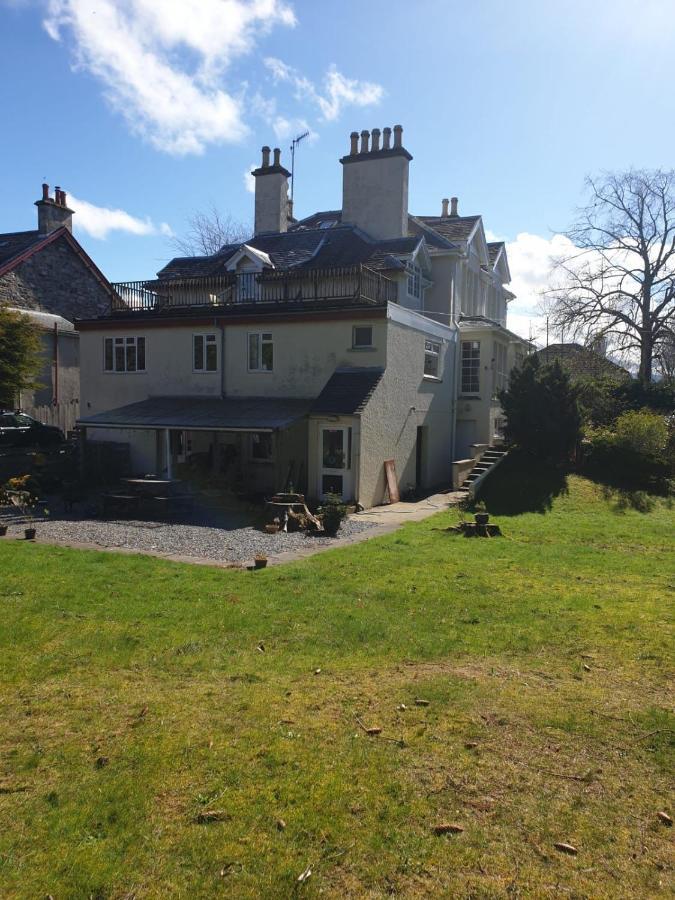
203 413
347 391
44 319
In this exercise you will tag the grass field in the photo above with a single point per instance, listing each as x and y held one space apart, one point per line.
176 731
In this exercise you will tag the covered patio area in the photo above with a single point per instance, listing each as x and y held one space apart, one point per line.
253 445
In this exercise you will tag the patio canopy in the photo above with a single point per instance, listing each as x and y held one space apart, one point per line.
203 414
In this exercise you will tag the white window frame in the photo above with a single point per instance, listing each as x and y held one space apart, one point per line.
205 335
470 370
125 342
369 345
414 273
264 337
432 351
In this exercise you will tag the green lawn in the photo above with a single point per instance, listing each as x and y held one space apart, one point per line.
139 695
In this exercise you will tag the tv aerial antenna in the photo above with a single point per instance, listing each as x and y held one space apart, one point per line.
294 143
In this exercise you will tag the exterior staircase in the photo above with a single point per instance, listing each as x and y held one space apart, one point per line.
489 459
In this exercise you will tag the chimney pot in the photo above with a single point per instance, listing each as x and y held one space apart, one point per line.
354 140
45 192
63 199
364 141
265 157
277 156
57 195
376 140
453 206
444 207
386 134
398 135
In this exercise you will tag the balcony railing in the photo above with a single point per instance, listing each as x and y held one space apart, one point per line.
348 285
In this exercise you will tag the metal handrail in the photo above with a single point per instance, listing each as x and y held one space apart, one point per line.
357 284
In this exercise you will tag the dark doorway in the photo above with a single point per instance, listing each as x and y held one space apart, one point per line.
419 457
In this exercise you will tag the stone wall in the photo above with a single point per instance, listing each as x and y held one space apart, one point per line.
55 280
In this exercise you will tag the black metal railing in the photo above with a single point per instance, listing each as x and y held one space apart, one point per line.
357 284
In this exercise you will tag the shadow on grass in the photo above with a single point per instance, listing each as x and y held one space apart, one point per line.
523 484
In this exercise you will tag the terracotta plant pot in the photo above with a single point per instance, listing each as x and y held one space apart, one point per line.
260 562
29 534
272 529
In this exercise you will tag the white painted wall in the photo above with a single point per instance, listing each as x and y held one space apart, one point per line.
404 399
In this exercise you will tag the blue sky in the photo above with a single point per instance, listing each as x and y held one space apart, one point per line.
147 110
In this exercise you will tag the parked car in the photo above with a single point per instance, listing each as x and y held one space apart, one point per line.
20 430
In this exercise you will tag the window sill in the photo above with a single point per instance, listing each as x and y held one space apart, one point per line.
206 372
469 396
361 349
432 378
261 462
260 371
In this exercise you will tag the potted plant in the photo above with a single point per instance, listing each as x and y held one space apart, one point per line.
3 530
332 514
260 561
20 495
481 515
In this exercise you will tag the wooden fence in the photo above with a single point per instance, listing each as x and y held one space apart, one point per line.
62 415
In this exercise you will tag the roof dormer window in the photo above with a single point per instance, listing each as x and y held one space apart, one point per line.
414 280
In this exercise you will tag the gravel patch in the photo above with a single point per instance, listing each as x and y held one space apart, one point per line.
234 545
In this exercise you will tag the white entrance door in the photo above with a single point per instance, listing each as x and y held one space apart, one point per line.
335 464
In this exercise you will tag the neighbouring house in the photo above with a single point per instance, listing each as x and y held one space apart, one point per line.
583 362
56 399
314 351
46 275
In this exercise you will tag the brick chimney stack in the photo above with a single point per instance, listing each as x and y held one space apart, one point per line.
53 212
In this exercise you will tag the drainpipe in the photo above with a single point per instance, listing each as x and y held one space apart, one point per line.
55 391
457 390
167 450
218 324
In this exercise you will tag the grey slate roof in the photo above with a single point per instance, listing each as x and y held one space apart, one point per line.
343 245
333 216
16 242
454 228
493 250
347 391
214 413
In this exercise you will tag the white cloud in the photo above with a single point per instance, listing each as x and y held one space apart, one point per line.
288 128
530 258
337 90
99 221
249 180
162 63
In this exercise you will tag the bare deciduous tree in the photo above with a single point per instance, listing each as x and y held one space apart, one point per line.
208 231
664 354
619 282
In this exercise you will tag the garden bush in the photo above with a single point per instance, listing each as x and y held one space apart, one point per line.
636 450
